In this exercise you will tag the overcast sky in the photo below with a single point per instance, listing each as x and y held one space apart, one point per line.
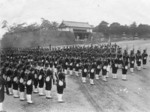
92 11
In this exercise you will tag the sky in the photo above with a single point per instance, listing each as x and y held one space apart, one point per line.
91 11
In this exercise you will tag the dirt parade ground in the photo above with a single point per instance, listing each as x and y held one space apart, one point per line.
114 95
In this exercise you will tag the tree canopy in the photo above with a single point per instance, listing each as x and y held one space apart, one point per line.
118 29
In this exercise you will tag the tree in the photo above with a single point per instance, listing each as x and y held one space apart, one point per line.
114 28
103 28
5 25
133 29
143 29
47 25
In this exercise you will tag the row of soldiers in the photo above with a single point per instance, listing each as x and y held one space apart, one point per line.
80 59
27 70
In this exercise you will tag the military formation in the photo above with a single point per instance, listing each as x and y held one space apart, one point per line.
37 70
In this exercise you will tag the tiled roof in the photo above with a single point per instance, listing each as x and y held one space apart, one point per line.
76 24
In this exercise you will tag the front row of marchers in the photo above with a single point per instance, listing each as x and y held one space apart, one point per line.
20 87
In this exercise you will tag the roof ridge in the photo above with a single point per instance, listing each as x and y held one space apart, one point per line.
75 22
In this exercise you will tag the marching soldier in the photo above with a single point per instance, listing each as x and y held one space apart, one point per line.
22 85
61 84
108 67
138 60
29 88
2 93
9 74
144 58
104 71
41 82
132 61
35 80
77 69
84 72
15 84
114 68
124 69
98 69
92 73
71 68
48 83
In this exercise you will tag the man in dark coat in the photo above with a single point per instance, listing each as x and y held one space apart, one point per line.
132 61
48 83
144 58
61 84
124 69
115 68
2 93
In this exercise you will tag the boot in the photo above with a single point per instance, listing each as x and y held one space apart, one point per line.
124 77
29 99
144 66
104 78
10 91
60 98
1 106
41 92
91 81
22 96
139 68
71 72
97 76
15 93
77 74
83 79
132 70
68 71
107 75
48 94
35 90
65 71
115 76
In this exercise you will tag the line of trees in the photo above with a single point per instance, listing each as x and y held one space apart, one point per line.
104 27
23 27
26 35
118 29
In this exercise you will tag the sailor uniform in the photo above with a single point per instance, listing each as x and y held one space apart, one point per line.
48 84
61 84
35 81
138 61
84 73
144 59
77 69
22 86
9 74
41 82
98 69
132 61
15 86
2 93
124 69
114 68
108 68
92 74
104 72
71 68
119 61
29 89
